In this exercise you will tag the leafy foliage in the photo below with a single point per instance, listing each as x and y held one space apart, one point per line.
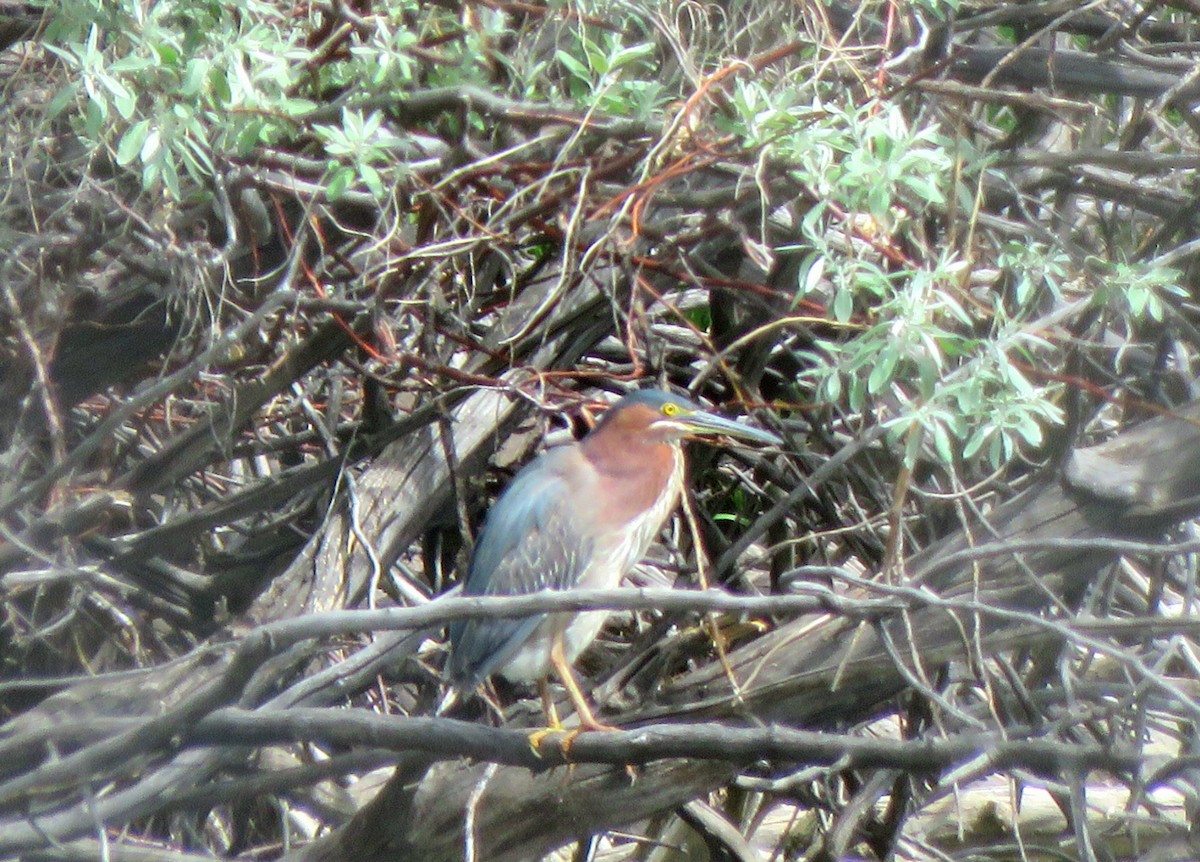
281 276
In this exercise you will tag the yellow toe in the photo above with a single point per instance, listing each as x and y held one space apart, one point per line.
537 736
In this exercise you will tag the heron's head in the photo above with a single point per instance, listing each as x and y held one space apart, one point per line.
668 418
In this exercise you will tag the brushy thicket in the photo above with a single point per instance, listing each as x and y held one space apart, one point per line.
281 279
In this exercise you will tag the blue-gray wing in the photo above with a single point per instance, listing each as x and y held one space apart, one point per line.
530 541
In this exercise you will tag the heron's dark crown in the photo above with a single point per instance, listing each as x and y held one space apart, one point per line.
652 398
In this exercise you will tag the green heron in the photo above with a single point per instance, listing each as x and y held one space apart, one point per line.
578 516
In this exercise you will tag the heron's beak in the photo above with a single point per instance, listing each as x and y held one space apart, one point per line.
701 424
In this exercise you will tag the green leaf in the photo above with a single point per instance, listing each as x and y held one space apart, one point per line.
942 444
132 142
194 77
1029 429
1137 297
249 136
123 98
976 441
843 306
914 437
968 397
1001 449
94 117
576 68
150 175
833 387
128 65
881 373
170 176
632 54
167 54
927 376
371 124
64 97
925 189
597 58
339 182
812 269
150 146
373 180
297 107
219 85
198 157
856 394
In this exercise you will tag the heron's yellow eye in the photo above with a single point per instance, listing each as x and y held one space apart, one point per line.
670 409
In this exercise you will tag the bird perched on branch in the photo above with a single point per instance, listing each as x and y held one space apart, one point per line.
579 516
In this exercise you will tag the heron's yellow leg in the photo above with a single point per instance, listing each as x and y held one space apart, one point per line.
553 725
587 720
548 708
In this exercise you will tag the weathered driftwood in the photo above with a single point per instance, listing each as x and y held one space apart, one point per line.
998 810
813 672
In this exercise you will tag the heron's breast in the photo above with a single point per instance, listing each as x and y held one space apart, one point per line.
626 535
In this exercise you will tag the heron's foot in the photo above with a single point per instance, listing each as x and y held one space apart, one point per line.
575 732
587 724
537 737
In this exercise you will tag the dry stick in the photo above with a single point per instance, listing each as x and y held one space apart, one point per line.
448 738
104 431
710 618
